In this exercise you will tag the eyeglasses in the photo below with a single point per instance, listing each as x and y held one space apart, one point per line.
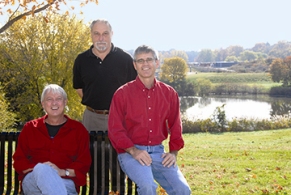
51 100
142 61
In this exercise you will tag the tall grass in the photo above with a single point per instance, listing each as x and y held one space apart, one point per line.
238 162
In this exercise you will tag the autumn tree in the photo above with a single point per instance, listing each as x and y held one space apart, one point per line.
173 72
280 71
20 9
7 119
281 49
173 69
35 53
262 47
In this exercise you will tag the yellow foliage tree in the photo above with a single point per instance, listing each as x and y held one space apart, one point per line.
20 9
35 53
7 119
174 69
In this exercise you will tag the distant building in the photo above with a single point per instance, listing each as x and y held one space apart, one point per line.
223 64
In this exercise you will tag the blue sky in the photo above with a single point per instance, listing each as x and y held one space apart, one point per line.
191 25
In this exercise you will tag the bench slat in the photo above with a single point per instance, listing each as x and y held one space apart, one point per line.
110 178
2 161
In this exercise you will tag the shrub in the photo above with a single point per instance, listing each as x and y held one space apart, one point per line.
280 91
219 124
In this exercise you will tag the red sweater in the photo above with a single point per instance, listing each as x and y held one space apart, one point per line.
69 149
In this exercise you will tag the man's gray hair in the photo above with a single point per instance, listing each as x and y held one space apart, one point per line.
101 21
145 49
54 88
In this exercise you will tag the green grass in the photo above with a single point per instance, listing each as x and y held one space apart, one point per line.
256 163
262 79
238 163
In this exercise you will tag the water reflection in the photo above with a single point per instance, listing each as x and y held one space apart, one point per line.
249 107
280 107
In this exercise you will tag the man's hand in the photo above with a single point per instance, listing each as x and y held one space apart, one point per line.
170 159
27 170
60 171
141 156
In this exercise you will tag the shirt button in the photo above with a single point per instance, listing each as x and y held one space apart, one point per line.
149 96
150 108
150 141
100 62
151 130
150 119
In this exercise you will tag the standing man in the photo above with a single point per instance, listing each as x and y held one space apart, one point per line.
142 114
52 156
98 72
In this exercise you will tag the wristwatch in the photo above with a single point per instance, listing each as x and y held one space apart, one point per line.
67 173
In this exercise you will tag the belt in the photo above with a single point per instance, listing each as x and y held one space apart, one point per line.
105 112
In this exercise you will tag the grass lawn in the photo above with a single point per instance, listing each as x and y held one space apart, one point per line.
260 79
238 163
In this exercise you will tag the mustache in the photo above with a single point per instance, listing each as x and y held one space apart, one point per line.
101 42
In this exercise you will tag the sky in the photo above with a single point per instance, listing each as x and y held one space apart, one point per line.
192 25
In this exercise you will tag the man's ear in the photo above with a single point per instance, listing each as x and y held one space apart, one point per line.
42 104
134 65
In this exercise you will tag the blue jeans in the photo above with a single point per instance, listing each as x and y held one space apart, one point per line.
170 178
44 180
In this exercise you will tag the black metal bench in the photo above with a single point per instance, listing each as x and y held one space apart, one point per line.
114 180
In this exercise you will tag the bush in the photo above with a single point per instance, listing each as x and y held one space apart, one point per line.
220 124
280 91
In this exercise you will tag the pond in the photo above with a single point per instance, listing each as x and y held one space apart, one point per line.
248 107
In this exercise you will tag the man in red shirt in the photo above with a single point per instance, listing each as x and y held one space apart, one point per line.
142 114
52 156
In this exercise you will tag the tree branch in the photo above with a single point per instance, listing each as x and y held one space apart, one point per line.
12 21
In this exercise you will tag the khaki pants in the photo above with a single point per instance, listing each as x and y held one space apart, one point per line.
95 122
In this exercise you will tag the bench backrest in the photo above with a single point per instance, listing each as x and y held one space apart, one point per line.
105 174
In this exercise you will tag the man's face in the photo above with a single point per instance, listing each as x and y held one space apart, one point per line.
101 36
146 65
54 104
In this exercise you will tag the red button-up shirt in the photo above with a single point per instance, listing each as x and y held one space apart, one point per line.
145 116
69 149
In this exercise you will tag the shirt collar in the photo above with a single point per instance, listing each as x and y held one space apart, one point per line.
45 117
141 85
